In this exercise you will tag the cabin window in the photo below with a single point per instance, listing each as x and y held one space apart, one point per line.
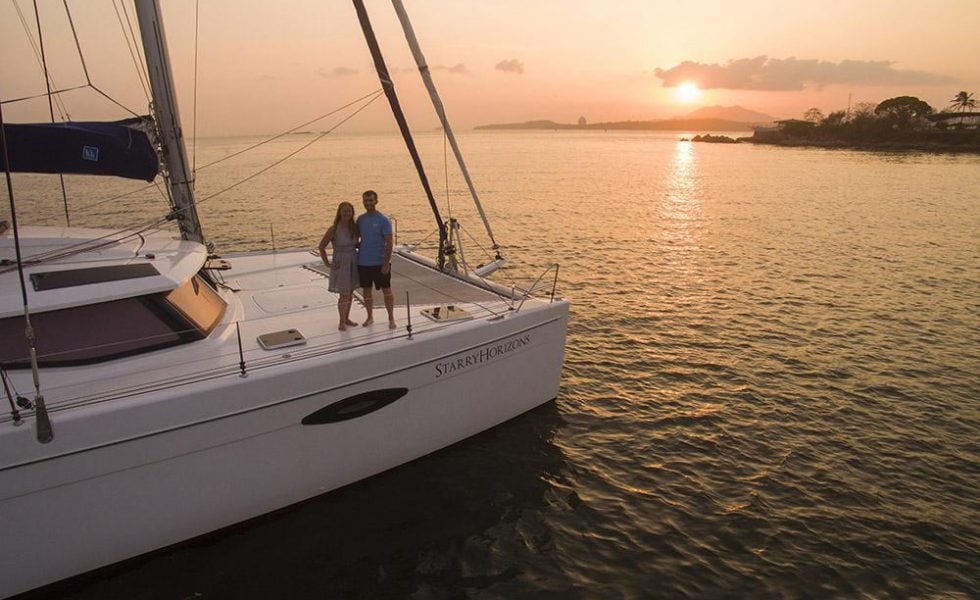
198 303
99 332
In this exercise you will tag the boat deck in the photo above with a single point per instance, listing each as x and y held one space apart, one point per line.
273 296
418 284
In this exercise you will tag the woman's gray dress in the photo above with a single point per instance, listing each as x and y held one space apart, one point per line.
343 278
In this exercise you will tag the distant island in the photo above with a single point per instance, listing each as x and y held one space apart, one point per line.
665 125
709 118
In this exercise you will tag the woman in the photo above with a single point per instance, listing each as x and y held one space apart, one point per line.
343 268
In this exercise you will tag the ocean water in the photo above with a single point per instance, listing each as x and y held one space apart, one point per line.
771 387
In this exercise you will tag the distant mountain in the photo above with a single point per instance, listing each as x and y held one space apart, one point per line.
541 124
730 113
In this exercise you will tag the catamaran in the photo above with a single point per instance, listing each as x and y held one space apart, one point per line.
162 392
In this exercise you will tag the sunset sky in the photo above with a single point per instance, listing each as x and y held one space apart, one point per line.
263 69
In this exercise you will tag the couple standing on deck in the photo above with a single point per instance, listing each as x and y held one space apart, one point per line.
361 258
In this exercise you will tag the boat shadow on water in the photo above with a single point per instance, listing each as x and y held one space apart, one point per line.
435 526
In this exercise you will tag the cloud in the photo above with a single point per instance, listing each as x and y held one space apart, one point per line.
457 69
510 66
336 72
764 73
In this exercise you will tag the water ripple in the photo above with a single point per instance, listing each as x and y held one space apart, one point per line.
770 386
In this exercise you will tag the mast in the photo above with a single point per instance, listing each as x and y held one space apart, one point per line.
396 109
168 119
413 43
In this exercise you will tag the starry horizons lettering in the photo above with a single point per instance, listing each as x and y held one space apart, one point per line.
485 354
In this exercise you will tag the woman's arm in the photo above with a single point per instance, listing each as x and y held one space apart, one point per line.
327 238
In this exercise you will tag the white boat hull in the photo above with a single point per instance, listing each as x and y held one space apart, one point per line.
92 506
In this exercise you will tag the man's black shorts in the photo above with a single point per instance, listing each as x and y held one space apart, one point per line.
373 274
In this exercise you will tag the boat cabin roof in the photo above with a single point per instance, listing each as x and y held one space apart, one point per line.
66 267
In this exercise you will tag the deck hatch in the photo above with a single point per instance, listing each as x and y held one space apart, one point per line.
53 280
281 339
447 313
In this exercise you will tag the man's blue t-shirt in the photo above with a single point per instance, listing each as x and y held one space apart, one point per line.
373 228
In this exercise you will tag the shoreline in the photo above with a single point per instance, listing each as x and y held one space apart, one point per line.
886 146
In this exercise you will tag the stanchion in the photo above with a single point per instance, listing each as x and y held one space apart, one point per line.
408 311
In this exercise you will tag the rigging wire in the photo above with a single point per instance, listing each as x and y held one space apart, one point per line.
44 431
62 110
197 7
143 70
449 204
117 197
54 93
78 248
132 54
475 241
445 168
47 82
375 93
78 45
81 58
285 158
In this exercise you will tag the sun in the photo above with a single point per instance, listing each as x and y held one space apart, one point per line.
687 92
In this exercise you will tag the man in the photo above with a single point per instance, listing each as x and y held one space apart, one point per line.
374 256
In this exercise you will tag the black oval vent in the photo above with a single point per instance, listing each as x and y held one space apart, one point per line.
354 406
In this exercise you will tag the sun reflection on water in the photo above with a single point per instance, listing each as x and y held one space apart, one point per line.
682 201
681 208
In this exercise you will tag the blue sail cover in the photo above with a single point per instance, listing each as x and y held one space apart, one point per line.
83 148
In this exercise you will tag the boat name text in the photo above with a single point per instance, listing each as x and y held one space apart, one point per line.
487 353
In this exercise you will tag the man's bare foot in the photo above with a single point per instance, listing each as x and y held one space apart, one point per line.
391 324
341 327
351 323
368 322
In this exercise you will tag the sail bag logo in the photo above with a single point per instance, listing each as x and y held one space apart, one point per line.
90 153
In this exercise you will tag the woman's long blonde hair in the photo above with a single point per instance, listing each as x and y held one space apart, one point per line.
352 228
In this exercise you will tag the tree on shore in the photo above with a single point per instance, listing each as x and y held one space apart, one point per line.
903 110
896 123
834 119
963 102
863 110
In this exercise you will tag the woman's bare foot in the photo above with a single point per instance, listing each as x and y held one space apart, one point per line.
368 322
351 323
341 327
391 324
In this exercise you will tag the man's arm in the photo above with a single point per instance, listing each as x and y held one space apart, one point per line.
386 263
